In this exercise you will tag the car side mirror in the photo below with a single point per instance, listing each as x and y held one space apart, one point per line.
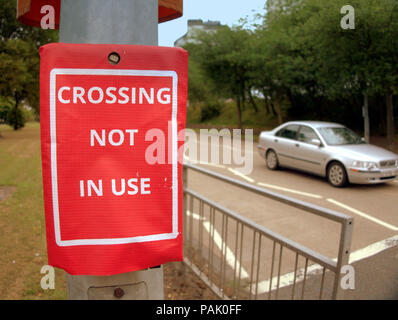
316 142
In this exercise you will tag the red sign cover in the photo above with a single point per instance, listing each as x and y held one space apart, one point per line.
29 12
112 141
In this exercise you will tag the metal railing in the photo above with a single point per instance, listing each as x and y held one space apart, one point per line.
240 259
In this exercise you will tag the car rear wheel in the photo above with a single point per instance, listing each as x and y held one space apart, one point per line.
337 175
272 160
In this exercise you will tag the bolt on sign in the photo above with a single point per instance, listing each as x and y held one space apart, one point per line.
30 12
113 204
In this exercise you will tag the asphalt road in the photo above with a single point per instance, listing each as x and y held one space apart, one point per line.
373 207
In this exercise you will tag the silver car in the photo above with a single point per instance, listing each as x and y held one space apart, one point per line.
329 150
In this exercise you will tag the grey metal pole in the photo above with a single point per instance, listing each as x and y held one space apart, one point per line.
112 22
109 21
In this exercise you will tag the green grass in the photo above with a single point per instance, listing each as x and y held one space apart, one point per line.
22 228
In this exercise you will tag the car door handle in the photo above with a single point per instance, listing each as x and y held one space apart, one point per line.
276 140
297 145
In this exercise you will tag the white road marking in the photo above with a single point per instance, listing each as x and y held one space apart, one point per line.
315 269
233 150
373 249
229 255
194 215
204 162
186 158
240 174
290 190
212 164
364 215
286 279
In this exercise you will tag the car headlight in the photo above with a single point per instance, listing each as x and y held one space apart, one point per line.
365 165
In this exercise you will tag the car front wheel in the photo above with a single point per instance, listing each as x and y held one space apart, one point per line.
272 160
337 175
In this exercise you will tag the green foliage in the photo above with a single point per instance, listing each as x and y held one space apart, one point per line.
305 65
359 60
20 61
210 111
223 58
4 107
16 118
201 87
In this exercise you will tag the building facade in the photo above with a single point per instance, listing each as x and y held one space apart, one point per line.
194 27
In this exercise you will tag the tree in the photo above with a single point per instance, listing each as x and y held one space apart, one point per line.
285 62
361 60
223 55
20 61
202 91
18 82
304 53
308 64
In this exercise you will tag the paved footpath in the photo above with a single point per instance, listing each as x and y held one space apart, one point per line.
375 277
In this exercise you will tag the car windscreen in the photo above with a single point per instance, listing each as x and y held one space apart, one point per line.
336 136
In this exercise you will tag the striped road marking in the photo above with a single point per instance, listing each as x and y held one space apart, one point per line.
229 255
288 278
311 195
363 215
204 162
240 174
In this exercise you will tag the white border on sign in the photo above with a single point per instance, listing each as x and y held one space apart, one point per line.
54 176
